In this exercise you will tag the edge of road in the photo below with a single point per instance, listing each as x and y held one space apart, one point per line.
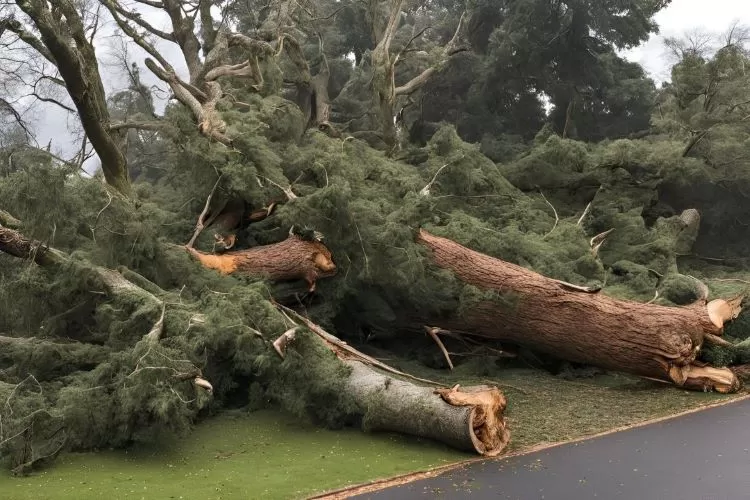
378 484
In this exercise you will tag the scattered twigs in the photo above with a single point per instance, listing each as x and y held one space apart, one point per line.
284 339
346 349
597 241
286 190
585 213
99 214
588 208
158 329
201 224
425 191
557 218
433 331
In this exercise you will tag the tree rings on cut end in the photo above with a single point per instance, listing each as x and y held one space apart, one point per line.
488 431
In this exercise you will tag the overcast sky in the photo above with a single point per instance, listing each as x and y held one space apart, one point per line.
679 17
682 16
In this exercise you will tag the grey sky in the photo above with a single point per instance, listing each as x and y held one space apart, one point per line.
682 16
678 18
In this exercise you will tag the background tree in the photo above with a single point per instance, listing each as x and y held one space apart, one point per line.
706 107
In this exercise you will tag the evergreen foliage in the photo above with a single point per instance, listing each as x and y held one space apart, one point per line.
483 165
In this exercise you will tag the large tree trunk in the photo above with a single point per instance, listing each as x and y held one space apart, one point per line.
470 419
551 316
293 258
76 61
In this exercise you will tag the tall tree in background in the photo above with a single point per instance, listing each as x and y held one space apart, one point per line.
566 50
64 37
706 107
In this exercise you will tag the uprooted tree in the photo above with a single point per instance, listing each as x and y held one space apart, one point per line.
262 218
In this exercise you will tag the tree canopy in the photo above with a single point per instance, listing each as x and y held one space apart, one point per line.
345 128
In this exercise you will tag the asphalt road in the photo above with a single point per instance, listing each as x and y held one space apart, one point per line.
702 456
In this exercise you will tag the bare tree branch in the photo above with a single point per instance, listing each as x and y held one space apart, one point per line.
449 50
27 37
136 18
79 69
5 106
150 3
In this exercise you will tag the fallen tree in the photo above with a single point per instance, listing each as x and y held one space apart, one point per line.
575 324
325 375
469 418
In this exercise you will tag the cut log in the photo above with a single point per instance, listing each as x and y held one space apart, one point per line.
648 340
293 258
469 419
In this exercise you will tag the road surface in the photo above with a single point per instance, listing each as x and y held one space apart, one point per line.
702 455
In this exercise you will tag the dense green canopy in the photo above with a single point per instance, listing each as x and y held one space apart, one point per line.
477 160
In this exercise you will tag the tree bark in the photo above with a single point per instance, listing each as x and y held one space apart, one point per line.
470 419
293 258
76 61
545 314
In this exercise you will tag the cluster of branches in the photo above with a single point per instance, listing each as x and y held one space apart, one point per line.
63 35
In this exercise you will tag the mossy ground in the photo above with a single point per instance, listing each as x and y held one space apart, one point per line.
267 454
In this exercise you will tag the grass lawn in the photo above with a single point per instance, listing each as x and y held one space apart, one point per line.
268 454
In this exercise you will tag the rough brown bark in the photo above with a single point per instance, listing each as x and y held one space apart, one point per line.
644 339
76 61
293 258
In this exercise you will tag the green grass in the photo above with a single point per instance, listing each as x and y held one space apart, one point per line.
543 408
264 454
267 454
